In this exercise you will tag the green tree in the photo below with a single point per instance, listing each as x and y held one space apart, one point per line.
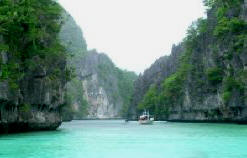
29 29
150 100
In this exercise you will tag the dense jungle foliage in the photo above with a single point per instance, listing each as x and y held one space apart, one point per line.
29 40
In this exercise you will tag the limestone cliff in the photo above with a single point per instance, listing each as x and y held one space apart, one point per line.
162 68
72 38
33 69
35 103
99 89
209 82
107 89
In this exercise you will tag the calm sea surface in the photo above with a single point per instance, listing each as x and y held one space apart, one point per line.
117 139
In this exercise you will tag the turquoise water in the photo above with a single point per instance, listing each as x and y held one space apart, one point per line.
116 139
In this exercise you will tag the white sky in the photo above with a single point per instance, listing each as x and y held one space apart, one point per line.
134 33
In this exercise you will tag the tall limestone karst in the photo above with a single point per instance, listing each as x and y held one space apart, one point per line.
162 68
207 80
33 70
99 89
107 88
72 38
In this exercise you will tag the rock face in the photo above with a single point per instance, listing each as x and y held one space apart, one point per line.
100 104
99 89
103 85
35 105
209 83
209 100
72 38
33 101
161 69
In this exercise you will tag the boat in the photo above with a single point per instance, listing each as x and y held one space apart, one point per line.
145 118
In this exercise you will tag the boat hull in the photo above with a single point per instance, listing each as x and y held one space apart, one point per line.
146 122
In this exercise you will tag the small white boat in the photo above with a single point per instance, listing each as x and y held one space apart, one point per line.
145 118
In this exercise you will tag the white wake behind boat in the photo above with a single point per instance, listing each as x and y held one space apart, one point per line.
145 118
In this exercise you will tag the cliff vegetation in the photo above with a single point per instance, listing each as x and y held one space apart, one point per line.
33 69
208 82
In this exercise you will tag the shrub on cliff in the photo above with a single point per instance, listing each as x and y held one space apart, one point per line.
215 75
29 31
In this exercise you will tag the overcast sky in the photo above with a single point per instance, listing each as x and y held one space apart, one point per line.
134 33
